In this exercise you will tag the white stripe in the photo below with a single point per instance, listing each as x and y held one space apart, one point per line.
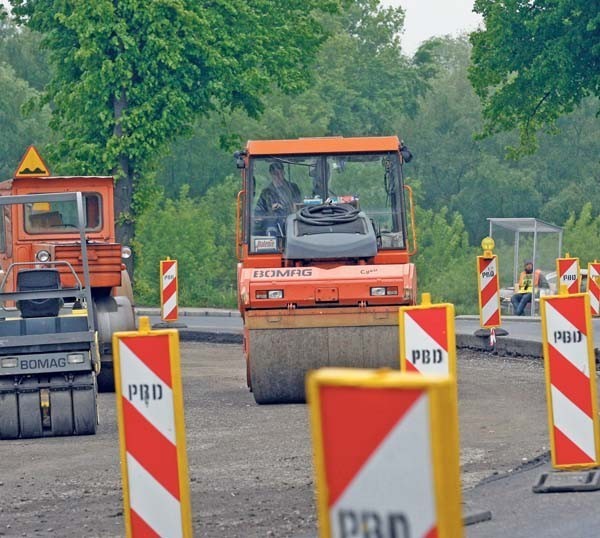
594 302
135 373
484 280
170 305
573 422
490 308
396 479
418 339
152 502
577 352
169 275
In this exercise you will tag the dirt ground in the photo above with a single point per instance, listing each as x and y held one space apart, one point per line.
250 466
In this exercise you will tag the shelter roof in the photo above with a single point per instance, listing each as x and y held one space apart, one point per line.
525 225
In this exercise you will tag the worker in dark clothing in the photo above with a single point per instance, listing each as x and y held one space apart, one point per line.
277 199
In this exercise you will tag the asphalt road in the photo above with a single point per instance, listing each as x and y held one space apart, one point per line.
250 466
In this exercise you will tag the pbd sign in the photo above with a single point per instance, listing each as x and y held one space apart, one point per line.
386 454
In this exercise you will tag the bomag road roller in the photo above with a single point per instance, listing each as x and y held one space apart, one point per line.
48 359
325 235
47 232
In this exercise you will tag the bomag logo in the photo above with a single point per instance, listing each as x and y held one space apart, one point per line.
281 273
41 364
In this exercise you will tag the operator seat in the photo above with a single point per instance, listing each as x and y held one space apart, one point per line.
39 280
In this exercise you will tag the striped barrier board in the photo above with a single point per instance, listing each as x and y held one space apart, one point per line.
570 381
152 433
593 287
427 338
386 454
567 274
169 310
489 292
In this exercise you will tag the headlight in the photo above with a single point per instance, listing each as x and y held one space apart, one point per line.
9 362
269 294
125 252
42 256
377 292
75 358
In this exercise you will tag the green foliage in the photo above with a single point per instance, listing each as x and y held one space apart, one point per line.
206 258
534 62
445 262
582 236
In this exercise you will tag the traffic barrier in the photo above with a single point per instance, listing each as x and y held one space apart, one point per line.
386 453
169 310
488 286
567 273
570 381
150 414
427 338
593 287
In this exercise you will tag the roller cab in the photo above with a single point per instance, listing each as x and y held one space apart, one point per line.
325 235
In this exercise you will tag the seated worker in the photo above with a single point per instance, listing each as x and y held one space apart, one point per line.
277 199
527 281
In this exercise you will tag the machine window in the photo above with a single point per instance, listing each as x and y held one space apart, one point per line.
61 217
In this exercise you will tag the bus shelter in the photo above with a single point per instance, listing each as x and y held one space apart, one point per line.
521 239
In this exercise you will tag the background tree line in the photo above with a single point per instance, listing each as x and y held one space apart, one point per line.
355 81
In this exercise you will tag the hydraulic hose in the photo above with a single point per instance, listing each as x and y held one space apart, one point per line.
328 214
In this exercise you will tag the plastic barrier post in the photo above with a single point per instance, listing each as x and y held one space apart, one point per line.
150 414
568 274
386 453
489 292
169 310
593 287
427 338
570 381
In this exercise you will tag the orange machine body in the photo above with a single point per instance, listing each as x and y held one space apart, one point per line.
19 245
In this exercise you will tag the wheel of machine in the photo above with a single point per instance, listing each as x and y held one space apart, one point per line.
9 412
61 407
30 416
113 314
85 406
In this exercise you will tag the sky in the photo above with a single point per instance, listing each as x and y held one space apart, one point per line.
428 18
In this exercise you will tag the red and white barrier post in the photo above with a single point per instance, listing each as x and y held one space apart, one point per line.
488 286
169 310
427 338
570 381
152 433
593 287
386 453
567 273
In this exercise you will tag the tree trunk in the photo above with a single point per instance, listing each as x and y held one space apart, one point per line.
124 177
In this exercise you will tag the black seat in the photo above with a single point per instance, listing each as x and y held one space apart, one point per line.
39 280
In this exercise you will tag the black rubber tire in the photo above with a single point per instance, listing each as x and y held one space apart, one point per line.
61 410
106 379
85 406
9 411
30 415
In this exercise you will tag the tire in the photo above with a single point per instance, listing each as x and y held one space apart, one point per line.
9 410
61 409
85 406
106 379
30 416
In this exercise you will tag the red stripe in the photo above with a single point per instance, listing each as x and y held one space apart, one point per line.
153 451
169 290
434 322
489 291
166 265
482 263
433 533
153 351
569 380
354 423
494 319
572 309
173 314
567 452
139 528
410 367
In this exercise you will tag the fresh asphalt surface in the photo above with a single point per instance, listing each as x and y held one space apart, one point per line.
515 510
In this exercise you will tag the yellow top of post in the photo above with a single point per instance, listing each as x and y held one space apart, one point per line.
426 299
487 244
144 324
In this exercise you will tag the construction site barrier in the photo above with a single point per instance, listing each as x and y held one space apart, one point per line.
169 310
593 287
427 338
568 274
570 381
488 291
386 453
150 414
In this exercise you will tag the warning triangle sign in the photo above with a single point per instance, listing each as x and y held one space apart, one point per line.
32 165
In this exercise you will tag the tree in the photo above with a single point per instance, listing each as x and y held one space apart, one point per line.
132 75
534 61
